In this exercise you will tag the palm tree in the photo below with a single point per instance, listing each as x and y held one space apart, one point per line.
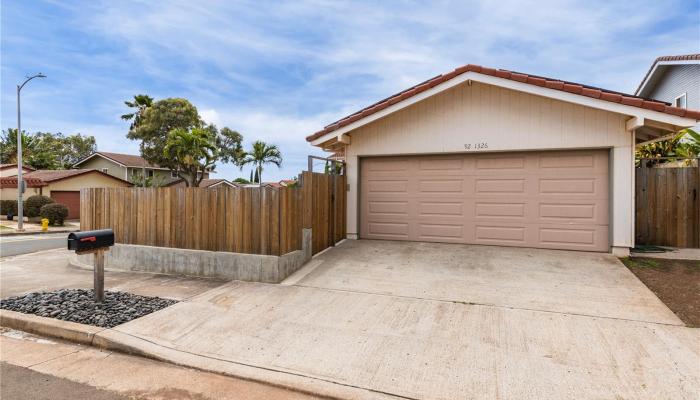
193 152
262 154
140 104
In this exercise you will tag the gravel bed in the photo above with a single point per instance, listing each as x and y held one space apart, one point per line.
77 305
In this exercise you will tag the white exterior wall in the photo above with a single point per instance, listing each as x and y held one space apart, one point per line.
505 120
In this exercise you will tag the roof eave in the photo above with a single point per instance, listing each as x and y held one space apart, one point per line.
682 122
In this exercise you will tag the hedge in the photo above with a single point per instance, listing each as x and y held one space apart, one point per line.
7 206
32 206
56 213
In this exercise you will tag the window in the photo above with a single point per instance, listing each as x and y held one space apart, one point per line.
149 173
105 170
681 101
173 174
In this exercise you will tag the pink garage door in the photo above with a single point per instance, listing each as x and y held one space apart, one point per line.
547 199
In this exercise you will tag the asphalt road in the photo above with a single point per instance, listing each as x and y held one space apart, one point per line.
20 383
23 244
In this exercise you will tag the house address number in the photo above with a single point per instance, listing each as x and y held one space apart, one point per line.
476 146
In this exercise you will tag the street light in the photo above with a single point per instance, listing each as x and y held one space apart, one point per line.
20 183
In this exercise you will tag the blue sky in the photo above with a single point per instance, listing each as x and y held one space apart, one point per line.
278 71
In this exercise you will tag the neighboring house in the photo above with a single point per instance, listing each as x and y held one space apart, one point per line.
128 167
205 183
675 80
11 170
495 157
61 185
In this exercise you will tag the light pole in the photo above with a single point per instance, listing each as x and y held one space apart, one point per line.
20 185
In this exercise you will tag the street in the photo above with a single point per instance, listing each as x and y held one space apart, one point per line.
20 383
23 244
37 368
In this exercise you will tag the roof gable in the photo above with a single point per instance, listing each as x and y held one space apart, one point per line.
658 67
124 160
539 85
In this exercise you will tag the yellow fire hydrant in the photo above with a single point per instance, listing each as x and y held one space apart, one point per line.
44 224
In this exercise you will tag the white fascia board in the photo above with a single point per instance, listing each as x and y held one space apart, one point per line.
97 154
655 69
520 87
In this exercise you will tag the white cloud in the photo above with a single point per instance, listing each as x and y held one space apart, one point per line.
280 71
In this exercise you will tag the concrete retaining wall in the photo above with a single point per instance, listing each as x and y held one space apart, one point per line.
213 264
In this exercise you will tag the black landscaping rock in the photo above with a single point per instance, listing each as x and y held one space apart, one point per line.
77 305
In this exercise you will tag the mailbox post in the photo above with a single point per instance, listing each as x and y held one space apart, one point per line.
94 242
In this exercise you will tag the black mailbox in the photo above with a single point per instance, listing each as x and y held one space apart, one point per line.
90 240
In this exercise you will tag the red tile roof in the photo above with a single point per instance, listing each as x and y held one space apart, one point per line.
571 87
11 182
683 57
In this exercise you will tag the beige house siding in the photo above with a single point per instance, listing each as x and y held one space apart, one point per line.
89 180
500 120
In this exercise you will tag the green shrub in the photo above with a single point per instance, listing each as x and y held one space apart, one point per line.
54 212
7 206
32 206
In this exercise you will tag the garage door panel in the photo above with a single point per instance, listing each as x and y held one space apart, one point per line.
534 199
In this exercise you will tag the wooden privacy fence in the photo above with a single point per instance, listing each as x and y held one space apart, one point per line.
255 220
667 206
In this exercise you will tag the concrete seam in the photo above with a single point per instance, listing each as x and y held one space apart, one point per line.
469 303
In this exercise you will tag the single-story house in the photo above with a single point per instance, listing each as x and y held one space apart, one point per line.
11 170
61 185
205 183
495 157
128 167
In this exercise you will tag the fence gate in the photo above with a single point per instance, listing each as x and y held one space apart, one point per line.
667 206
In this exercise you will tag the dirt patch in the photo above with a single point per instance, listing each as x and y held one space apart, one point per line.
675 282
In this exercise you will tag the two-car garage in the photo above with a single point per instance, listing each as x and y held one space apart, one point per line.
489 156
547 199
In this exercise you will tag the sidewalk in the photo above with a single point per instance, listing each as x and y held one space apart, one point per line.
8 228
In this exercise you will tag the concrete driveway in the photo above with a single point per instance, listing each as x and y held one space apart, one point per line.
577 283
428 321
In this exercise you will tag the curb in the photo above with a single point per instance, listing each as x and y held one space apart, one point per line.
113 340
71 331
37 232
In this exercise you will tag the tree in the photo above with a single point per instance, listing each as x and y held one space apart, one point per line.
66 150
192 152
683 145
261 154
140 103
44 150
8 152
156 122
229 143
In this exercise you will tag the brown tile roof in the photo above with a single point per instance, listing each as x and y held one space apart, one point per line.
129 160
50 175
203 184
682 57
210 182
556 84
